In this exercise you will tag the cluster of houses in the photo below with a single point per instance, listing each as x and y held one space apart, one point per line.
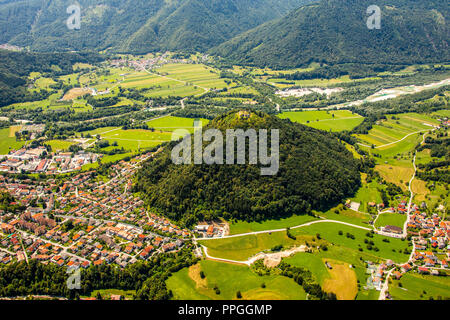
147 63
377 274
431 241
211 229
83 220
35 160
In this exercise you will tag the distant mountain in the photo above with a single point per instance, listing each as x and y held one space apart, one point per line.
135 26
335 31
316 171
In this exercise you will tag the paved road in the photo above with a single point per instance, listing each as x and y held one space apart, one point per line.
395 142
284 229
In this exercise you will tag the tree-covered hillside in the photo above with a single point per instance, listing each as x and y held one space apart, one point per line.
315 172
335 31
15 67
136 26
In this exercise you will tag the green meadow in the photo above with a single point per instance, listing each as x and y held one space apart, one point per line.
8 141
241 248
170 123
239 227
414 286
390 219
339 120
59 145
389 131
315 262
188 285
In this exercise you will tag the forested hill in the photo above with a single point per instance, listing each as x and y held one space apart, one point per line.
316 171
135 26
15 67
335 31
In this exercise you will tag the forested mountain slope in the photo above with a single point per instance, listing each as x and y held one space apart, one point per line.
134 26
335 31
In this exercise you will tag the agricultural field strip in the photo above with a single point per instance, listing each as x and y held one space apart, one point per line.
181 81
395 142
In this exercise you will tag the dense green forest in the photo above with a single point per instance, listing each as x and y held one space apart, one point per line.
15 67
147 278
135 26
316 171
335 31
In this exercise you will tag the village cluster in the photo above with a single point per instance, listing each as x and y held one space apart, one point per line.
35 160
82 221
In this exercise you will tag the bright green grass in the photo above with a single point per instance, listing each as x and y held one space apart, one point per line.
106 293
244 227
132 140
242 248
230 279
107 159
320 82
59 145
170 123
311 262
196 74
7 143
414 285
390 219
369 192
347 215
324 120
314 263
442 113
329 231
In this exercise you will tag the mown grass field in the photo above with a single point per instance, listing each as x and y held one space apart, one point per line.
8 140
197 74
339 120
342 281
241 248
315 262
390 219
347 215
137 139
132 140
369 192
59 145
330 232
229 279
239 227
420 287
170 123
